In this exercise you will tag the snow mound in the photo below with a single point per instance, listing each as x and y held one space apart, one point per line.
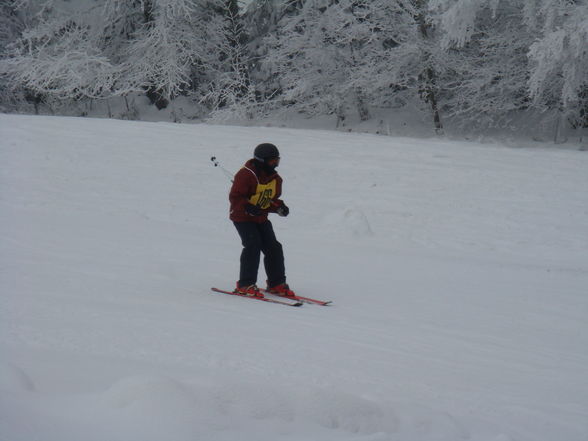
349 221
151 408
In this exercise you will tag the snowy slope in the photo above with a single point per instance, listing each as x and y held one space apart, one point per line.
458 273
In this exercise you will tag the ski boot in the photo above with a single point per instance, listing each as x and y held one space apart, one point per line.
281 290
251 290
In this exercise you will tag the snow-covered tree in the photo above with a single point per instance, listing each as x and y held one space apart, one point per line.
110 48
161 52
312 54
60 57
479 63
261 20
486 73
12 24
226 88
559 58
514 56
429 62
327 54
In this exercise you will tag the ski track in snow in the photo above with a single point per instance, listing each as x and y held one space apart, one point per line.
458 274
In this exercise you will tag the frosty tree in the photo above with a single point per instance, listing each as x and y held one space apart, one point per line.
113 48
559 59
484 46
335 56
58 56
472 63
514 56
161 53
12 25
227 88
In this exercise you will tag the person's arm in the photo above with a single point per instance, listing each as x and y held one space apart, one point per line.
278 206
241 190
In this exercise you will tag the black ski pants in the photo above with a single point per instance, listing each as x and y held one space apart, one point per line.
257 238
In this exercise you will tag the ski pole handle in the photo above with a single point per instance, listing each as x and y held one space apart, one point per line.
225 171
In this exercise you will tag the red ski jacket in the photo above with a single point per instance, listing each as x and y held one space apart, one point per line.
252 185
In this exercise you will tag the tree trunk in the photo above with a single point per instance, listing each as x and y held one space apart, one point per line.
362 108
428 89
558 136
155 95
429 92
340 113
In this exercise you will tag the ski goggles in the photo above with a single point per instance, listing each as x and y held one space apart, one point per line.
273 162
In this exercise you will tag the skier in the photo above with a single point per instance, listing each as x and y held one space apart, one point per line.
255 193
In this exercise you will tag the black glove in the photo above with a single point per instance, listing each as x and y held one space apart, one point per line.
283 210
253 210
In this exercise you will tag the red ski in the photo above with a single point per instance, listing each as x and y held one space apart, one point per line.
263 299
301 299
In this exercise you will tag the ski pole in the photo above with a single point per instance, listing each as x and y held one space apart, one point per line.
225 171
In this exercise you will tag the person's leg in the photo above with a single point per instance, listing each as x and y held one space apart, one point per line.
273 255
250 255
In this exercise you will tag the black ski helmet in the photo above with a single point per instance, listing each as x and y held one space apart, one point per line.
265 151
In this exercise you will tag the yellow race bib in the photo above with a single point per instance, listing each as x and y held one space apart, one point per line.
264 194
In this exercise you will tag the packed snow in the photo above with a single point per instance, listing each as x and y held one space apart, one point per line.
458 274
